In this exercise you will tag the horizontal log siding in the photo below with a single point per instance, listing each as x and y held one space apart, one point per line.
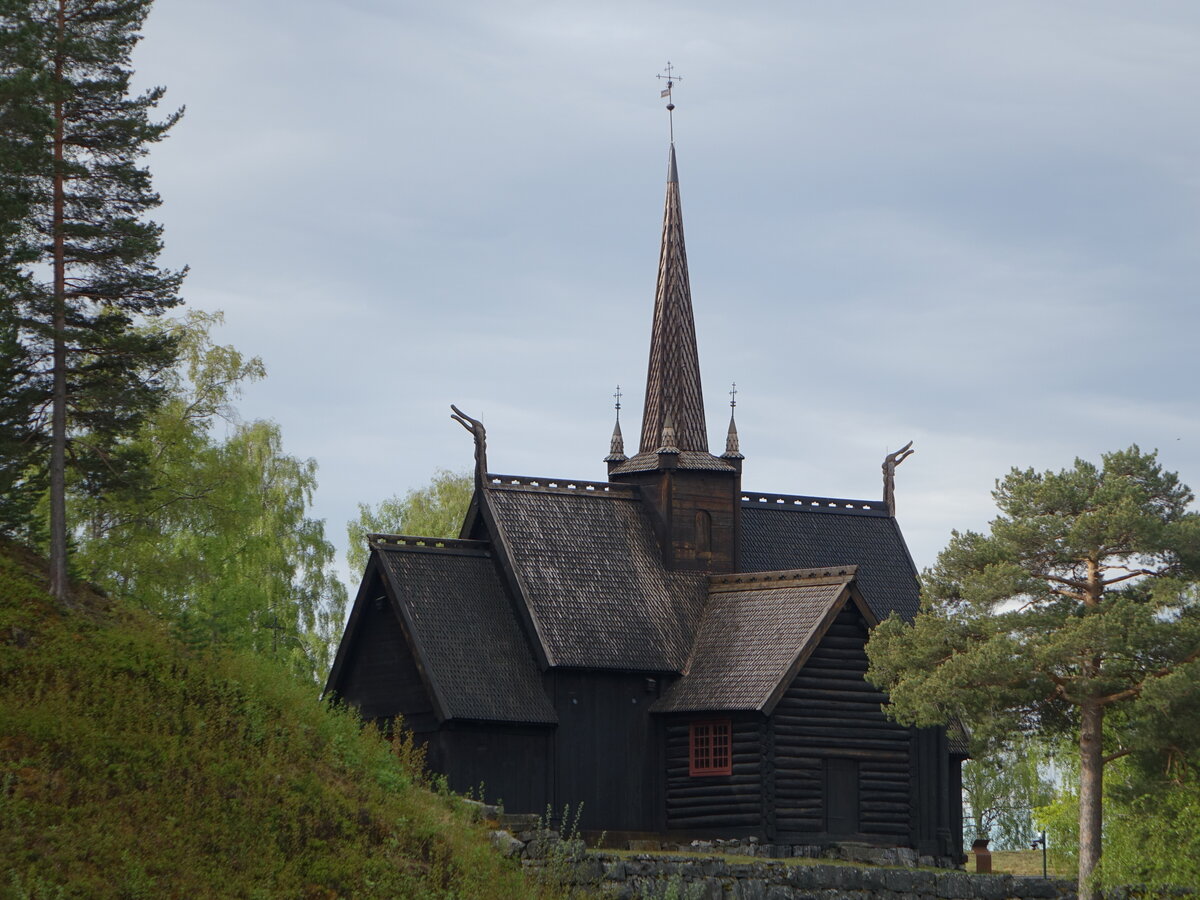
831 711
715 802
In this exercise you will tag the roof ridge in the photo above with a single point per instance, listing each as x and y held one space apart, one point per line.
559 485
741 581
422 544
809 503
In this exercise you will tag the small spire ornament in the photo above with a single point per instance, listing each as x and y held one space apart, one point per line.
732 448
616 448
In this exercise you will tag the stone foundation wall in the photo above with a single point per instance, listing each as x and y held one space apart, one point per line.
764 875
690 878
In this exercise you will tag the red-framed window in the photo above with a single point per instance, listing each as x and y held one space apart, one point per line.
710 748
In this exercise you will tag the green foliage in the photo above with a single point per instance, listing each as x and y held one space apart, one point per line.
134 766
74 239
22 445
1154 838
1083 590
435 510
215 536
1000 791
1080 605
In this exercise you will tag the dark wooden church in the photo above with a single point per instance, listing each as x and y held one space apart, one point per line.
677 654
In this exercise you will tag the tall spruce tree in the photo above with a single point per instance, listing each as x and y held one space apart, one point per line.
82 249
1079 606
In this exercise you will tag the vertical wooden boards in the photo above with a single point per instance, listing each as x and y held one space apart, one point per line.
603 752
506 764
380 675
841 796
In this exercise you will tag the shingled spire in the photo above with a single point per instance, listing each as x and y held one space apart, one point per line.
693 497
673 381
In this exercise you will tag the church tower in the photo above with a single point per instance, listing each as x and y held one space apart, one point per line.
694 496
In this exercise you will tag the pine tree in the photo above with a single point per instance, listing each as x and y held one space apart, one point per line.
1079 606
77 239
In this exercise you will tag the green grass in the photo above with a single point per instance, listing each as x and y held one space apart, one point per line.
1022 862
131 767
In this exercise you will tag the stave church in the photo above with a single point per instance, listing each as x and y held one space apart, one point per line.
672 653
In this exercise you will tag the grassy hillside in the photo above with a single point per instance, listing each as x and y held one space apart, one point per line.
133 767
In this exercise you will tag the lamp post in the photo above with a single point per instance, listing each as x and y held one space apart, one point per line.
1041 842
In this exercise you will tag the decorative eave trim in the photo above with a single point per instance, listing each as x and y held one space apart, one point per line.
803 503
537 484
754 581
415 544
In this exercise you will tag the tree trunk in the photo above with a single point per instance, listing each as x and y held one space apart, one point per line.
1091 789
58 415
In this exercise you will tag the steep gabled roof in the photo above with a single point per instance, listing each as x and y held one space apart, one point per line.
781 531
756 633
584 557
451 602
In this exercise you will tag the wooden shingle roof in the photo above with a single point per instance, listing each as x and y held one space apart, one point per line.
789 532
686 459
465 635
673 378
756 633
585 559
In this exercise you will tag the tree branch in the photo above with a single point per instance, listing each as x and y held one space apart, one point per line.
1133 573
1105 760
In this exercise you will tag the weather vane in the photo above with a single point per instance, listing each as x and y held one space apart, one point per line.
733 395
617 396
670 78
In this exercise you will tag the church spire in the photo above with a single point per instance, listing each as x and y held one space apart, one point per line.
733 450
673 392
616 447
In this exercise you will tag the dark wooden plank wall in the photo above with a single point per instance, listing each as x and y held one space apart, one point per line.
605 754
381 676
674 497
725 805
507 764
830 712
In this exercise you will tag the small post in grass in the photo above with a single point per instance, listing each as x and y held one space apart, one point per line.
983 856
1041 842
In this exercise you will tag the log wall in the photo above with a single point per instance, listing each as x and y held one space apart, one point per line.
827 725
724 804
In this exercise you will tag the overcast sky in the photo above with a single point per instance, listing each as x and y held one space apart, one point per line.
970 225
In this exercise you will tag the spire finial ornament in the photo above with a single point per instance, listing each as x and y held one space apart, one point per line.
616 448
670 78
889 475
732 448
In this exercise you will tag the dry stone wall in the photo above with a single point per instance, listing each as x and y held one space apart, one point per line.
666 876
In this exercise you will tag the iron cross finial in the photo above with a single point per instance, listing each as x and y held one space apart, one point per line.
670 78
617 396
733 396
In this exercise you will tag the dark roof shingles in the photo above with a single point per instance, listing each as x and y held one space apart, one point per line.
467 635
593 577
747 643
796 538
